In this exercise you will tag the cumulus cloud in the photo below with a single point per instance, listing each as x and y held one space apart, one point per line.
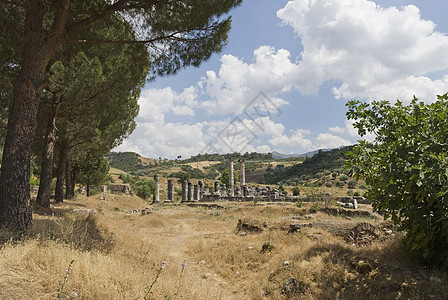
375 52
238 83
371 51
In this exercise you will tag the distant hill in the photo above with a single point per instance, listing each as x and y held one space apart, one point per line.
278 155
127 161
321 161
236 155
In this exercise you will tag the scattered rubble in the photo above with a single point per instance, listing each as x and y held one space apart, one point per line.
364 234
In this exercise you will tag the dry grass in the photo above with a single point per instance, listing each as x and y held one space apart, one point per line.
117 254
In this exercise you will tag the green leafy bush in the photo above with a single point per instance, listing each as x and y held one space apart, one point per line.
144 188
405 169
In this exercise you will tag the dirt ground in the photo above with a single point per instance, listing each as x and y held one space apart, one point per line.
220 246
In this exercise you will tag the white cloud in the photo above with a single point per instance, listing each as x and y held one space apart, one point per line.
155 103
238 83
375 52
330 141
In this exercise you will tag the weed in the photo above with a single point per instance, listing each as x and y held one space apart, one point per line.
184 264
162 266
68 272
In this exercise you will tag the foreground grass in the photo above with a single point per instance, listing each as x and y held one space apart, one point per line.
117 255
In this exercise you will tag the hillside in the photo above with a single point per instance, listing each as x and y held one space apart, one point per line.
128 161
322 161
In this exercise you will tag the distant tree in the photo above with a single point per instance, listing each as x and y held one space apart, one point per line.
282 190
352 184
144 188
340 183
343 177
93 171
225 177
295 191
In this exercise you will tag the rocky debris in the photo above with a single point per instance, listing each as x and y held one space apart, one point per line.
362 266
120 189
315 236
364 234
146 211
248 226
295 227
206 275
331 211
348 202
293 287
133 211
267 247
206 205
85 211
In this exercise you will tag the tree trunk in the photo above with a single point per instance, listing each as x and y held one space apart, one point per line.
15 209
69 190
59 192
46 175
38 48
72 184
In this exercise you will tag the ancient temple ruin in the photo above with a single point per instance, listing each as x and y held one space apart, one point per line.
198 192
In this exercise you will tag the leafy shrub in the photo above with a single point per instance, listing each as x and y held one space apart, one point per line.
144 188
295 191
352 184
340 183
343 177
405 169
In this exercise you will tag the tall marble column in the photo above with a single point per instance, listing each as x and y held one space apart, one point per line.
242 173
231 177
155 198
190 192
170 190
196 192
184 191
201 189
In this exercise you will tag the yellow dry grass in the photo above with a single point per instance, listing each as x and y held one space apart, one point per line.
117 253
202 164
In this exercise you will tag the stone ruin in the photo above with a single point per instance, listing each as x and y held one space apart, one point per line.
221 191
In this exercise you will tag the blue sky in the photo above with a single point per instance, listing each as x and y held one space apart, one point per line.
289 67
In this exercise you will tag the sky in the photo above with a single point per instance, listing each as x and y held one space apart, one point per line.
289 67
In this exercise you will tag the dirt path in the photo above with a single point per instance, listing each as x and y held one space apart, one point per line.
176 243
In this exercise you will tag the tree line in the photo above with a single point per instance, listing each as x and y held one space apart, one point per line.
71 72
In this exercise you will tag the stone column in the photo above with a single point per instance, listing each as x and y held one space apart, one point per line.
184 191
190 192
170 191
242 173
201 189
196 192
155 198
231 177
216 187
223 190
207 190
238 191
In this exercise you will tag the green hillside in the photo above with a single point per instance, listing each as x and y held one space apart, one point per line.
322 161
